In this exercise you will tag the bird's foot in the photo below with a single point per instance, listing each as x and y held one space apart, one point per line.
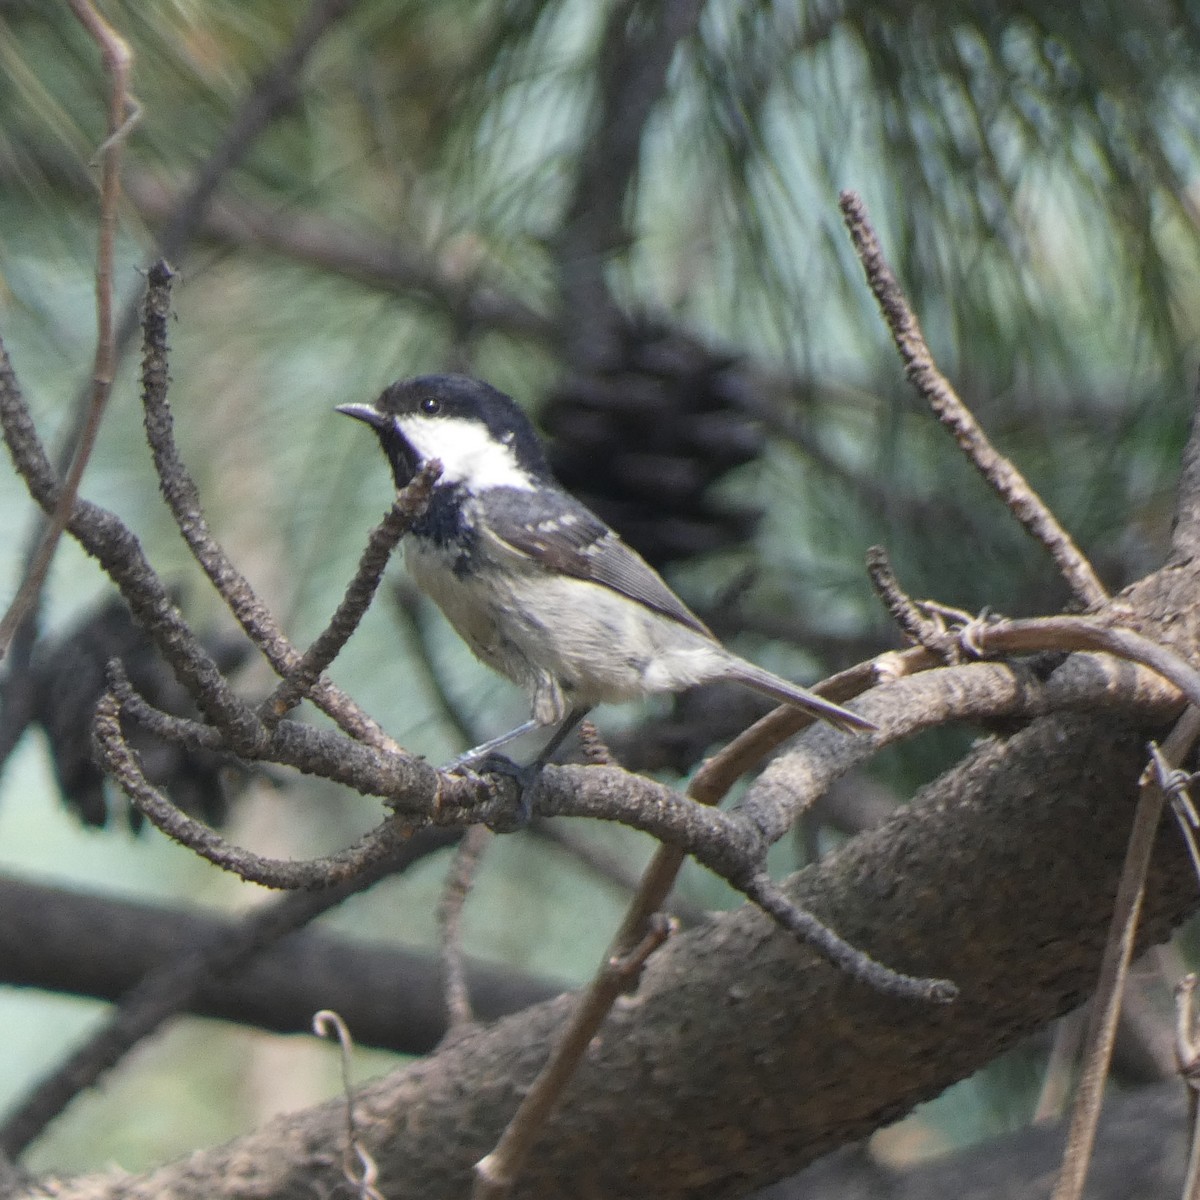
500 764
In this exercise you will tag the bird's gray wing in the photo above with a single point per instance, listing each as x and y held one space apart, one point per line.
570 539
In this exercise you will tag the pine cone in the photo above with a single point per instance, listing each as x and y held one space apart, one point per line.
642 439
68 679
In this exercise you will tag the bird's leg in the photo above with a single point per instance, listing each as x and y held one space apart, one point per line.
560 735
478 753
484 760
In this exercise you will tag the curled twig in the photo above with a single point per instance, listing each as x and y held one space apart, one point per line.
194 735
1176 785
358 1167
119 761
935 389
171 987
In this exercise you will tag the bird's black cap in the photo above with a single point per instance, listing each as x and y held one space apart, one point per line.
449 397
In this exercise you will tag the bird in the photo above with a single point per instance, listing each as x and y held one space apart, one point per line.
539 587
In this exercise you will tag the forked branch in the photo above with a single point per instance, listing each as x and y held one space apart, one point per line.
935 389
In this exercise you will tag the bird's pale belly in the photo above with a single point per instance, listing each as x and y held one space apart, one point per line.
587 644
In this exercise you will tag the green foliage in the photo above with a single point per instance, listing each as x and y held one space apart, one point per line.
1031 170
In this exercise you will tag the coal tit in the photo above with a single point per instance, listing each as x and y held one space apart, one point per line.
540 588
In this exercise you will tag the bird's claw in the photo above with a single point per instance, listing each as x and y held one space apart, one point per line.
500 764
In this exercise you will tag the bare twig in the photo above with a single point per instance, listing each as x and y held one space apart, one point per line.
170 988
410 785
1069 633
777 797
854 962
182 497
358 1167
1056 1080
496 1173
379 261
409 505
193 735
456 889
1187 1056
121 763
122 114
1118 949
1004 478
918 626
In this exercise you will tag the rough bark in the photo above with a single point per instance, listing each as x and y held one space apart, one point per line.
743 1057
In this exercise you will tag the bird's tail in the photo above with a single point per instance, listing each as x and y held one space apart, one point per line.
789 693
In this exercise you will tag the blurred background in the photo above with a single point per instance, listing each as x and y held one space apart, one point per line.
625 215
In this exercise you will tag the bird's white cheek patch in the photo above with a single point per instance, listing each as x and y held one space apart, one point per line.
468 452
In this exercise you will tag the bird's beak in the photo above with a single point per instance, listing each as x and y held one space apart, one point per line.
364 412
405 462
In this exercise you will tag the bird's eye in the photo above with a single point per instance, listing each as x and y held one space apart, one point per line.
431 406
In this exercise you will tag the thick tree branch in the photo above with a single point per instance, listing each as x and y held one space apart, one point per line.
173 984
96 946
1011 858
